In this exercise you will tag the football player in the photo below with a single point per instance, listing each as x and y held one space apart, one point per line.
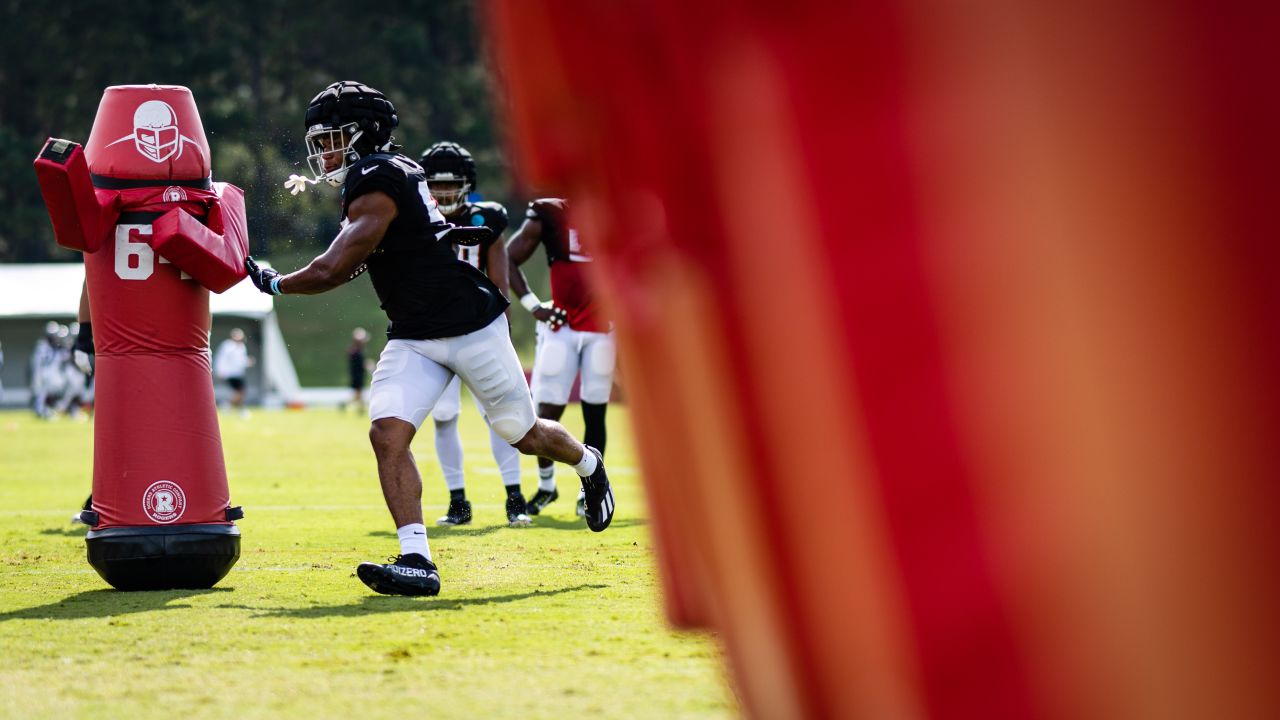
46 373
85 359
451 176
574 336
446 318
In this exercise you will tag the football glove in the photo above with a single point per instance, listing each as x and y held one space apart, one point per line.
467 235
83 361
82 351
265 279
549 313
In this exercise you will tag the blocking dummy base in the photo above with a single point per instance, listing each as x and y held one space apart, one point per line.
165 557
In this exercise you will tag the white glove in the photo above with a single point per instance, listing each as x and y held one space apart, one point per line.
84 361
298 183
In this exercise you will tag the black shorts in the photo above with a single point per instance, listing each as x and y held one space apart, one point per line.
236 384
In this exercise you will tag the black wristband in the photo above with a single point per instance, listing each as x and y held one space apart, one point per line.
84 339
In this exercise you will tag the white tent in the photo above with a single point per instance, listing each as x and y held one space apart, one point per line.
33 294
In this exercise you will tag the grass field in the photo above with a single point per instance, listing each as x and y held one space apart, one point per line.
545 622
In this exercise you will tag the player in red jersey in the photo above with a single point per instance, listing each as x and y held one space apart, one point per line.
574 335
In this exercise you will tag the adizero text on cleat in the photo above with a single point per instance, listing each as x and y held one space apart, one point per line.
540 500
598 501
459 514
410 574
517 515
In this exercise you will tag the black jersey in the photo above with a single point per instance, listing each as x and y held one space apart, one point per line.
426 292
487 214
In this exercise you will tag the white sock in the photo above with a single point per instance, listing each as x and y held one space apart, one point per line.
449 451
413 539
547 478
507 457
587 464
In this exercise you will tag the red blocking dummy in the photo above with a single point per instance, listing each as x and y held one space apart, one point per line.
161 510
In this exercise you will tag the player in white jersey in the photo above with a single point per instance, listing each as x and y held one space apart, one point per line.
46 371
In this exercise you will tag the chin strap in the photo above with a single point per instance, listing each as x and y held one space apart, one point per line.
298 183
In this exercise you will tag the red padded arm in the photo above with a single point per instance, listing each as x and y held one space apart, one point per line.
213 254
63 174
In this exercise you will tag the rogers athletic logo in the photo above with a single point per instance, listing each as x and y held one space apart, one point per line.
174 194
164 502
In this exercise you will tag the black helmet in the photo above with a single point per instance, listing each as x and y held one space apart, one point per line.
350 117
451 174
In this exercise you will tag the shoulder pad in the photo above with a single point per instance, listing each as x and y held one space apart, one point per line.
486 213
384 162
542 207
368 166
379 169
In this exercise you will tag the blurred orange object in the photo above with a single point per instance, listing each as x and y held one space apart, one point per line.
951 332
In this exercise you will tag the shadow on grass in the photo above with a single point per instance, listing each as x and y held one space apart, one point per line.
374 604
541 521
72 531
580 525
445 531
105 602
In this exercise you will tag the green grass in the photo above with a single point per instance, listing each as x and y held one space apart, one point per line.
545 622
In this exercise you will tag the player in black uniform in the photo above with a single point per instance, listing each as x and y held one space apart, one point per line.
451 176
446 318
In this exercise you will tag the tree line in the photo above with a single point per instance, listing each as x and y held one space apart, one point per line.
252 68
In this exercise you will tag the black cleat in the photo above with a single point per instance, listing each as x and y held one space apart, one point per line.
540 500
410 574
599 496
459 513
517 513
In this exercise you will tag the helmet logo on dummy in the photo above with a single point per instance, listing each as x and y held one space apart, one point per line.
173 194
155 132
164 502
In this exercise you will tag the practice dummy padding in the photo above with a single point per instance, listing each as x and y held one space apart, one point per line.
157 235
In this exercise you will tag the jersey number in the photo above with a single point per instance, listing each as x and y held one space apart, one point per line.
409 168
576 253
135 260
469 255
